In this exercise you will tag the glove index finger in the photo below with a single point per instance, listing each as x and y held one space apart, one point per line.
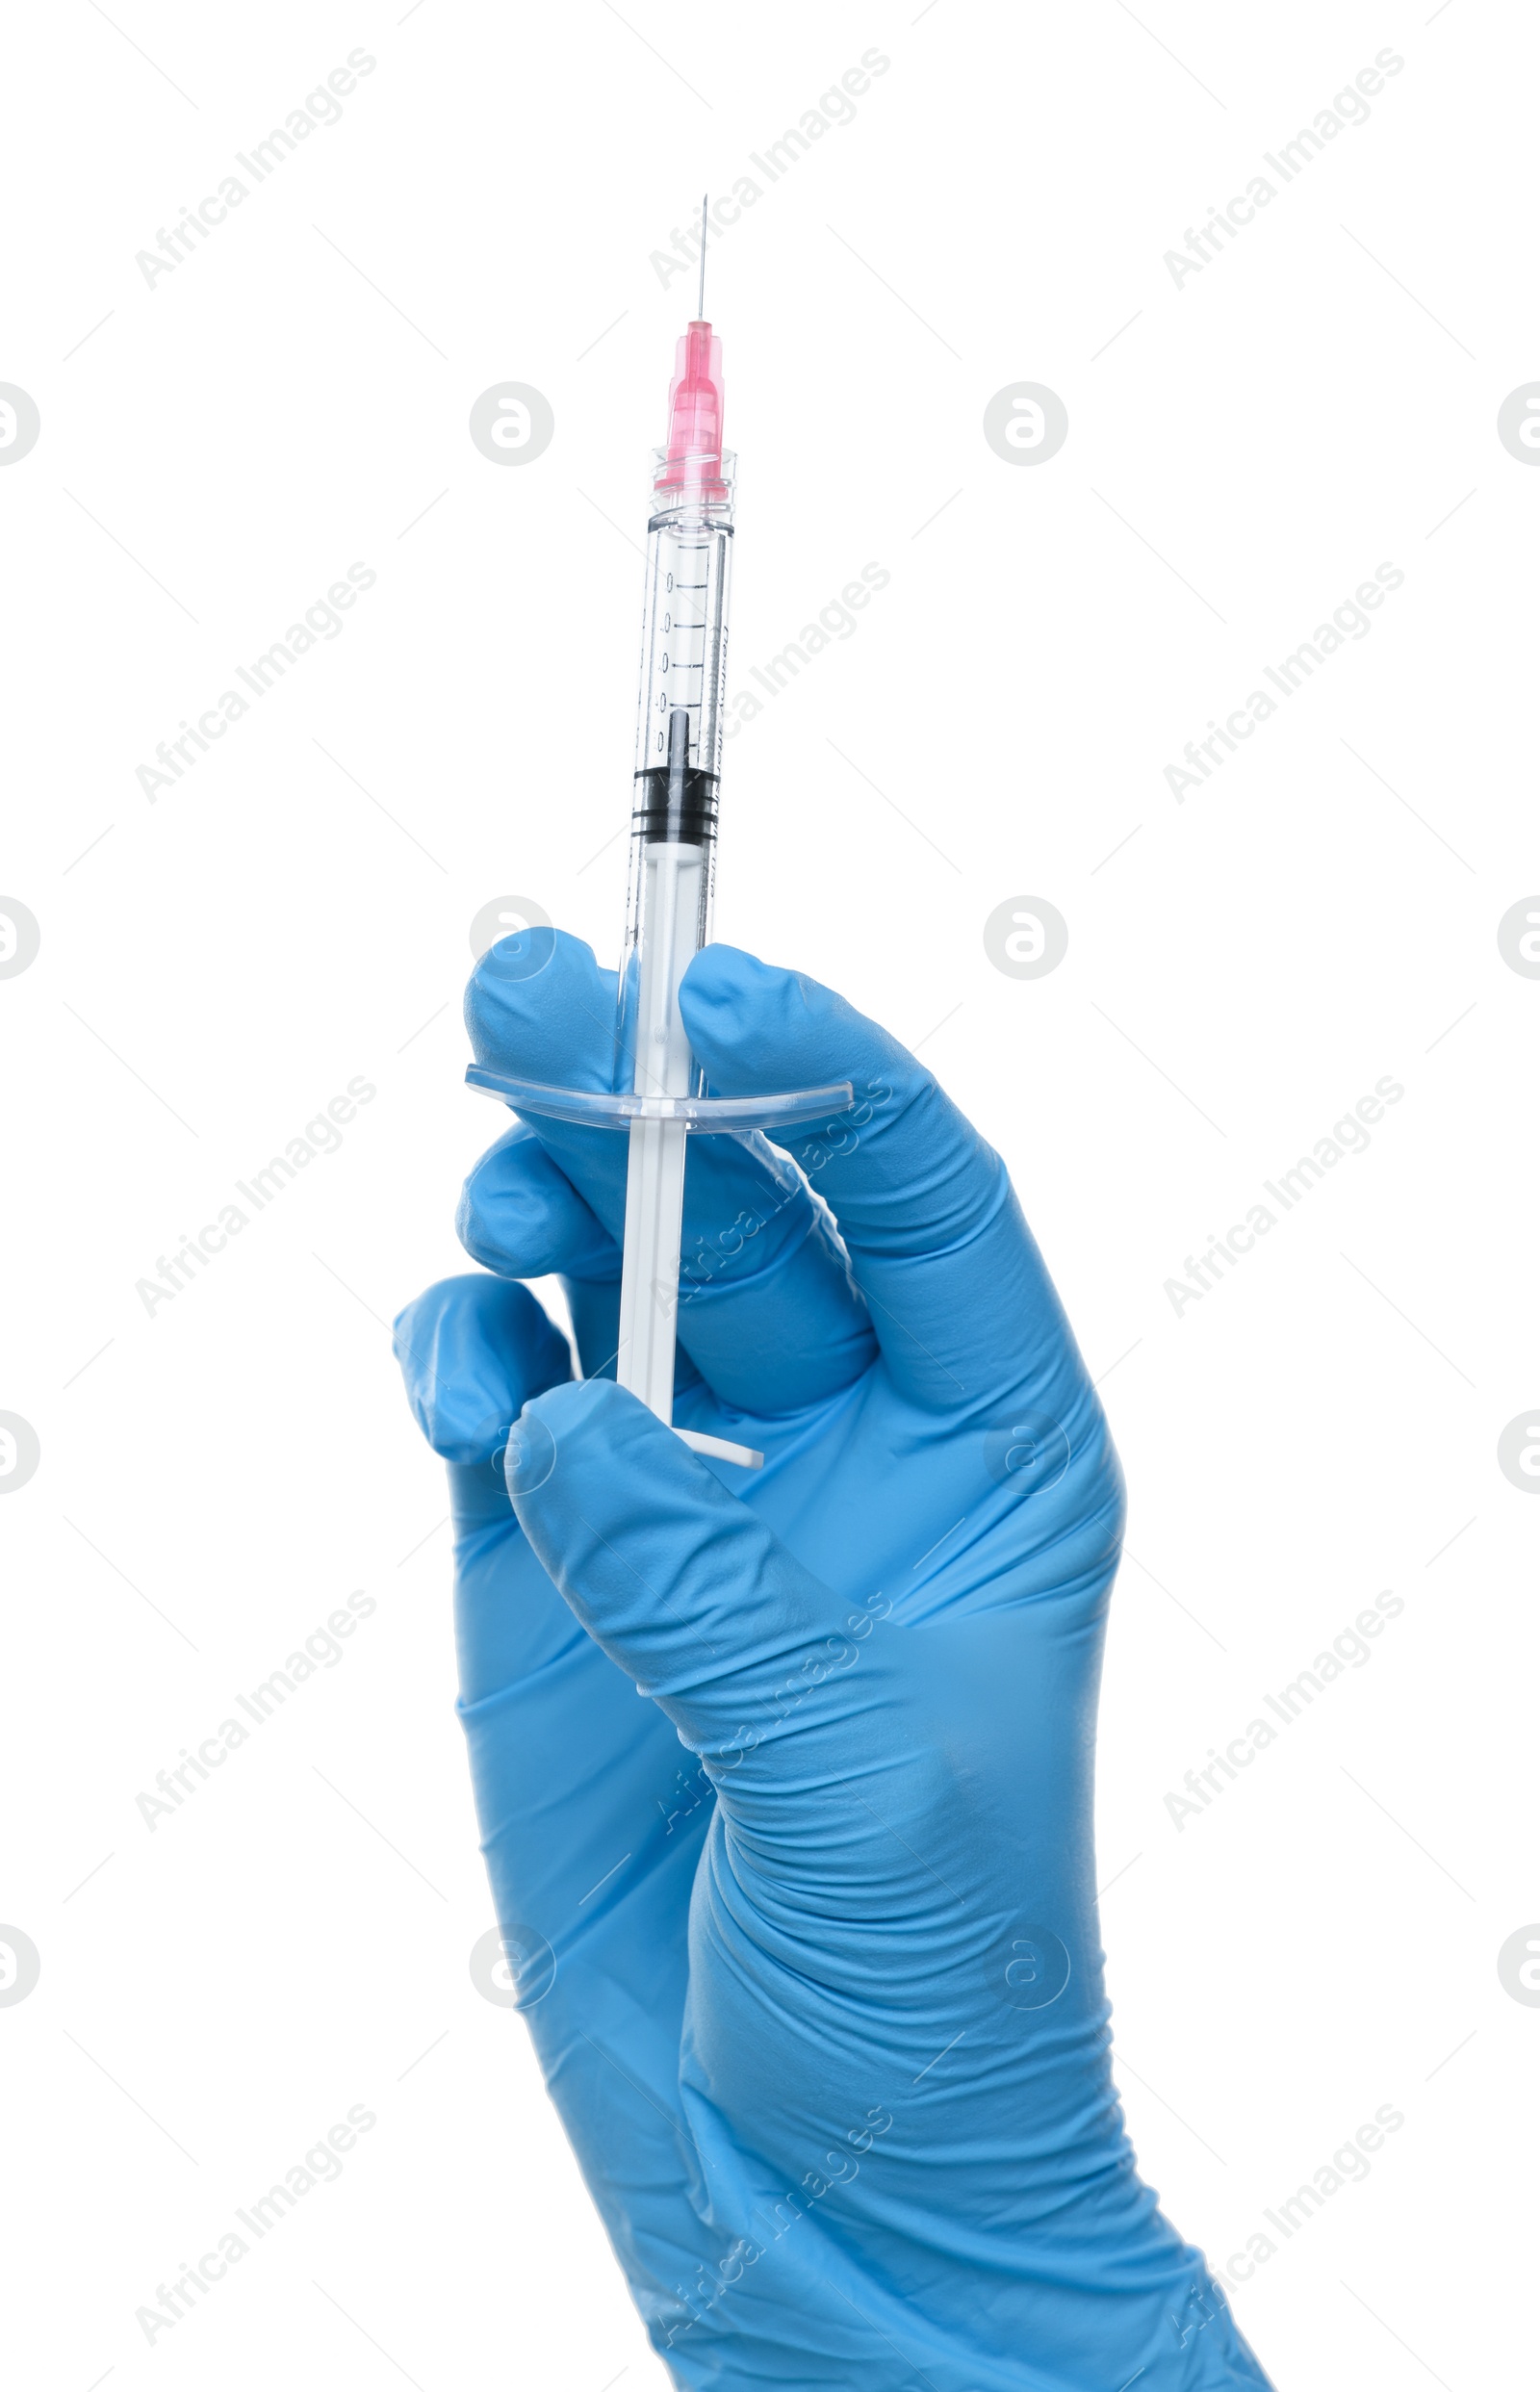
768 1317
963 1304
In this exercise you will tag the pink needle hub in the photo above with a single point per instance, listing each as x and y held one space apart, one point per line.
694 459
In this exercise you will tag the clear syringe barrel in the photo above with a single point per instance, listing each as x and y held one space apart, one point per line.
678 769
670 882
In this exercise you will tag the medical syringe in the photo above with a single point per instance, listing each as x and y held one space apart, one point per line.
657 1095
673 854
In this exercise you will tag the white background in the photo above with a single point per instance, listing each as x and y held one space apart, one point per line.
1243 450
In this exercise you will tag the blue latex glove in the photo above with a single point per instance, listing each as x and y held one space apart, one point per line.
807 1935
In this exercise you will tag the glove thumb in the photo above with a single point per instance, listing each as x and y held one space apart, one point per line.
744 1649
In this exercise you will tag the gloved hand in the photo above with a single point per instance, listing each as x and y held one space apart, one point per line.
784 1778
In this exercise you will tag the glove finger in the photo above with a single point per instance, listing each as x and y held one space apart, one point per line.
469 1349
473 1351
768 1315
572 1774
964 1309
520 1215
